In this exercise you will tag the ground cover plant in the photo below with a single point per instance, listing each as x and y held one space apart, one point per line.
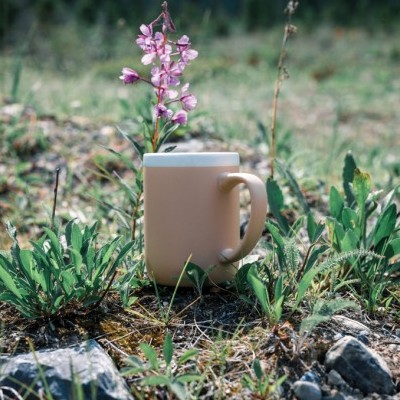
332 238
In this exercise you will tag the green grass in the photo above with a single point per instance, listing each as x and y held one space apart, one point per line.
343 84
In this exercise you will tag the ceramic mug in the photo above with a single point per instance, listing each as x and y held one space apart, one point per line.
191 211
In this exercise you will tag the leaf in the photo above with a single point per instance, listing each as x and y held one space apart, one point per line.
188 355
278 290
294 185
350 219
76 237
304 284
107 251
241 278
166 136
126 160
278 239
179 390
68 281
385 224
76 260
336 203
259 288
188 378
137 146
348 175
8 280
54 244
315 253
276 204
314 230
168 349
257 369
121 255
361 187
323 311
196 275
392 248
155 380
25 263
151 355
349 241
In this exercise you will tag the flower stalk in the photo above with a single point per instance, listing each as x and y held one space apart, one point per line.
280 76
167 59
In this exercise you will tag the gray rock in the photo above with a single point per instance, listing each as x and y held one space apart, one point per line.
311 376
85 365
351 325
335 395
307 390
335 379
359 366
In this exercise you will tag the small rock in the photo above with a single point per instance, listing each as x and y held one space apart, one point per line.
307 390
351 325
394 348
87 364
398 333
335 379
335 395
359 366
338 336
311 376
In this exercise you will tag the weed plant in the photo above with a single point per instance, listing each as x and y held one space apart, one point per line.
60 271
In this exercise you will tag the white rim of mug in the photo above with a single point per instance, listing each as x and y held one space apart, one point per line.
206 159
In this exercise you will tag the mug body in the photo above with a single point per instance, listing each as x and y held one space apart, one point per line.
187 216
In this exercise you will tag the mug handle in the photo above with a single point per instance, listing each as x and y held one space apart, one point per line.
258 197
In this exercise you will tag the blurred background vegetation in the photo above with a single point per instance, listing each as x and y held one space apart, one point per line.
215 17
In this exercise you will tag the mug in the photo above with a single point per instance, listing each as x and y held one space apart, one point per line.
192 212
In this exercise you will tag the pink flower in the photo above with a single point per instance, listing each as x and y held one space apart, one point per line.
187 54
180 118
187 99
144 40
162 111
189 102
129 75
167 60
149 58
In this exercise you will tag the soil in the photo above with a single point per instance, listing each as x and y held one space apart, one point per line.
228 333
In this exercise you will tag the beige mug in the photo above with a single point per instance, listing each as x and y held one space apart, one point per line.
192 211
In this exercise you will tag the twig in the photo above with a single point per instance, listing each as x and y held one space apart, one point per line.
281 74
55 198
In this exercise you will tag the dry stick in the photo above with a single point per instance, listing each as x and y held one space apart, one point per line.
55 198
281 74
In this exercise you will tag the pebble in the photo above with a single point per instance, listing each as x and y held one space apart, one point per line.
351 325
307 390
335 395
394 348
338 336
311 376
335 379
